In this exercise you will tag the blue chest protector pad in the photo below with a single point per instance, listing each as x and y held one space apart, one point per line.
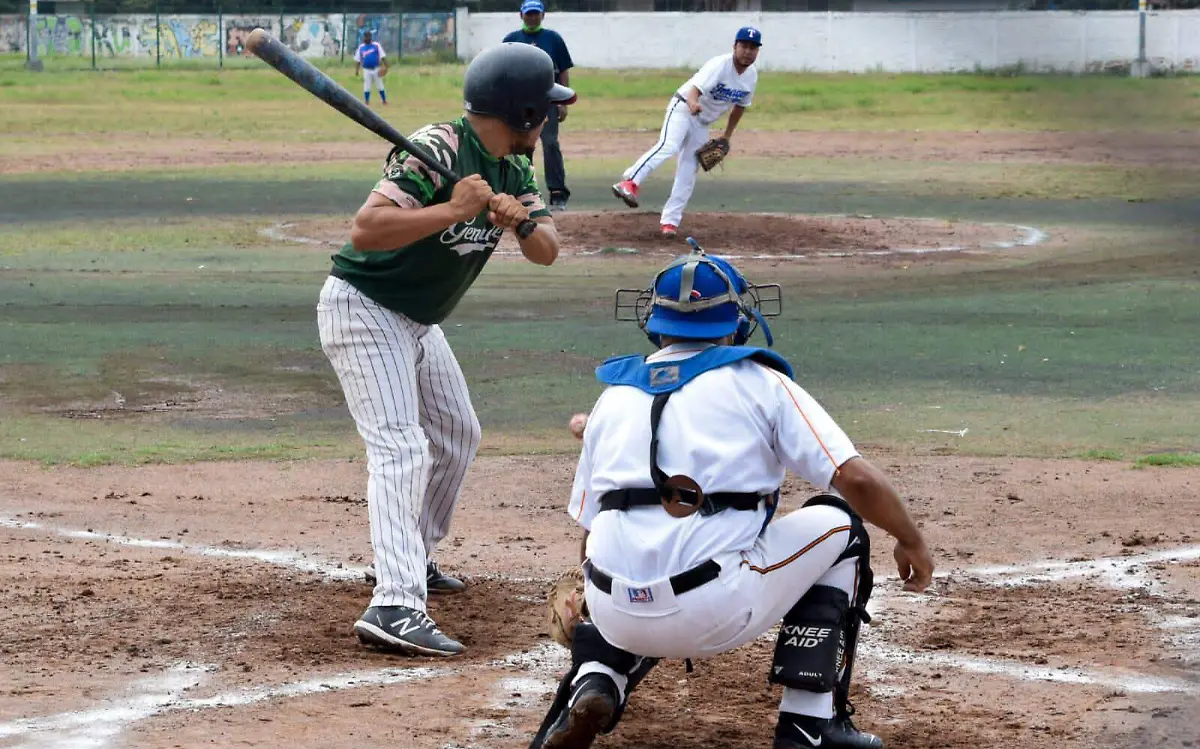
661 379
657 378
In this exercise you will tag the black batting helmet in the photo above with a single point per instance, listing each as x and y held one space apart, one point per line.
515 83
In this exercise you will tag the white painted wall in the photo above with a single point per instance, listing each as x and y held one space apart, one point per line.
862 42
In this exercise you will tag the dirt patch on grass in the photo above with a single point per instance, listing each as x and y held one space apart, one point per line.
763 236
123 153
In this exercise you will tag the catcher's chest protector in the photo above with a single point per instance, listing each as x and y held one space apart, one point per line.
657 378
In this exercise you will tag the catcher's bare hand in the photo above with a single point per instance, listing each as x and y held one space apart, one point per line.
506 211
471 195
915 565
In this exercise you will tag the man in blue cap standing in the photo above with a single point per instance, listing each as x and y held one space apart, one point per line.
550 42
725 83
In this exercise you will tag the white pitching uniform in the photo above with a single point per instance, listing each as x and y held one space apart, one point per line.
721 88
737 428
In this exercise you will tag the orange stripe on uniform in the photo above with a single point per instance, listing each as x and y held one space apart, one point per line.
798 554
582 502
805 417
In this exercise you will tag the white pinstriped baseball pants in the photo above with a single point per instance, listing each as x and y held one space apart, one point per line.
409 400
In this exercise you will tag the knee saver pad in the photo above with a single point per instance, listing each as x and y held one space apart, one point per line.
812 641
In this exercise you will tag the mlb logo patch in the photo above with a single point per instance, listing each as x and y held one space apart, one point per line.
664 375
640 595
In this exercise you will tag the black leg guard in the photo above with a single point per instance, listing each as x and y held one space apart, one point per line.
803 659
589 645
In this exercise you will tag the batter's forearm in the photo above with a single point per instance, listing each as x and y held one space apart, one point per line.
735 117
379 228
541 247
565 78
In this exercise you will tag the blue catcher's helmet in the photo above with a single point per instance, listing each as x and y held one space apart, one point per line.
701 297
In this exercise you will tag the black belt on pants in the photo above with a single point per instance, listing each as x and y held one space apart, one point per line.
681 583
623 499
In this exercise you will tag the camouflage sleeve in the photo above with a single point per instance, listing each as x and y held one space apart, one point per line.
407 182
527 190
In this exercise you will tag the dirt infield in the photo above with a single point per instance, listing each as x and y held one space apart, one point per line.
177 606
740 235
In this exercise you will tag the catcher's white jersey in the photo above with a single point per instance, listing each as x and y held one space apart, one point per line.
737 428
721 87
733 429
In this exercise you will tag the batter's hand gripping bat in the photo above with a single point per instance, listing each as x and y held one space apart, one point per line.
272 52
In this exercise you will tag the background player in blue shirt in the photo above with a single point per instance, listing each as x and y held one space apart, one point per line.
370 58
531 32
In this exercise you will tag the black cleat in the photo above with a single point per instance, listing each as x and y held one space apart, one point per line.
592 706
439 583
805 732
436 582
403 630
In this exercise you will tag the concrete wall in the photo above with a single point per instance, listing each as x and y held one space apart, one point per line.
860 42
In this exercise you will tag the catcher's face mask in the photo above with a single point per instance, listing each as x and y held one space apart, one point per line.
701 297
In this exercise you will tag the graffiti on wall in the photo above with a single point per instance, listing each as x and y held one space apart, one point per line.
313 36
62 35
12 34
199 36
384 28
422 33
238 28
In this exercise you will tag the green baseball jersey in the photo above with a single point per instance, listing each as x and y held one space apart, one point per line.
426 279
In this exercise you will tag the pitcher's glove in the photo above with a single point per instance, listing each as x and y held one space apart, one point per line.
567 606
712 153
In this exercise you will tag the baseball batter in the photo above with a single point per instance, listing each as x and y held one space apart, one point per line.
416 246
725 84
371 60
683 456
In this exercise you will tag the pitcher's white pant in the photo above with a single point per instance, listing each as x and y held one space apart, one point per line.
682 134
409 400
372 77
753 592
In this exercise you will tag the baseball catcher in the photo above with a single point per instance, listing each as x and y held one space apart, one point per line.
724 84
676 488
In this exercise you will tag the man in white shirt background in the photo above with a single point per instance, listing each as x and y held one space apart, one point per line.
724 84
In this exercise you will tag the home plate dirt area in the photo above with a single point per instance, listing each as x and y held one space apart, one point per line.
212 604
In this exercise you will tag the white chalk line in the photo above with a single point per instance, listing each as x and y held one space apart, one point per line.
164 694
1125 681
1118 572
282 558
1031 236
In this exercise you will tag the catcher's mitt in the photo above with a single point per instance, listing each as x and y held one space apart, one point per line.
712 153
567 606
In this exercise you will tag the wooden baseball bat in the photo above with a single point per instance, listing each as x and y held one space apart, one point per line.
306 75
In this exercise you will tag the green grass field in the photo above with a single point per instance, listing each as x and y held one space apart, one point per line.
153 287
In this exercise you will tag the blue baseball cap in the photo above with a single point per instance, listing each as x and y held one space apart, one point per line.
745 34
692 300
532 6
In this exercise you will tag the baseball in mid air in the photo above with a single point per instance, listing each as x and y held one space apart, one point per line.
577 424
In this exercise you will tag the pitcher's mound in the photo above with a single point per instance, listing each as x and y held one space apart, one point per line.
773 235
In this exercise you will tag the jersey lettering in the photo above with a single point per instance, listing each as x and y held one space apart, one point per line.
721 92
